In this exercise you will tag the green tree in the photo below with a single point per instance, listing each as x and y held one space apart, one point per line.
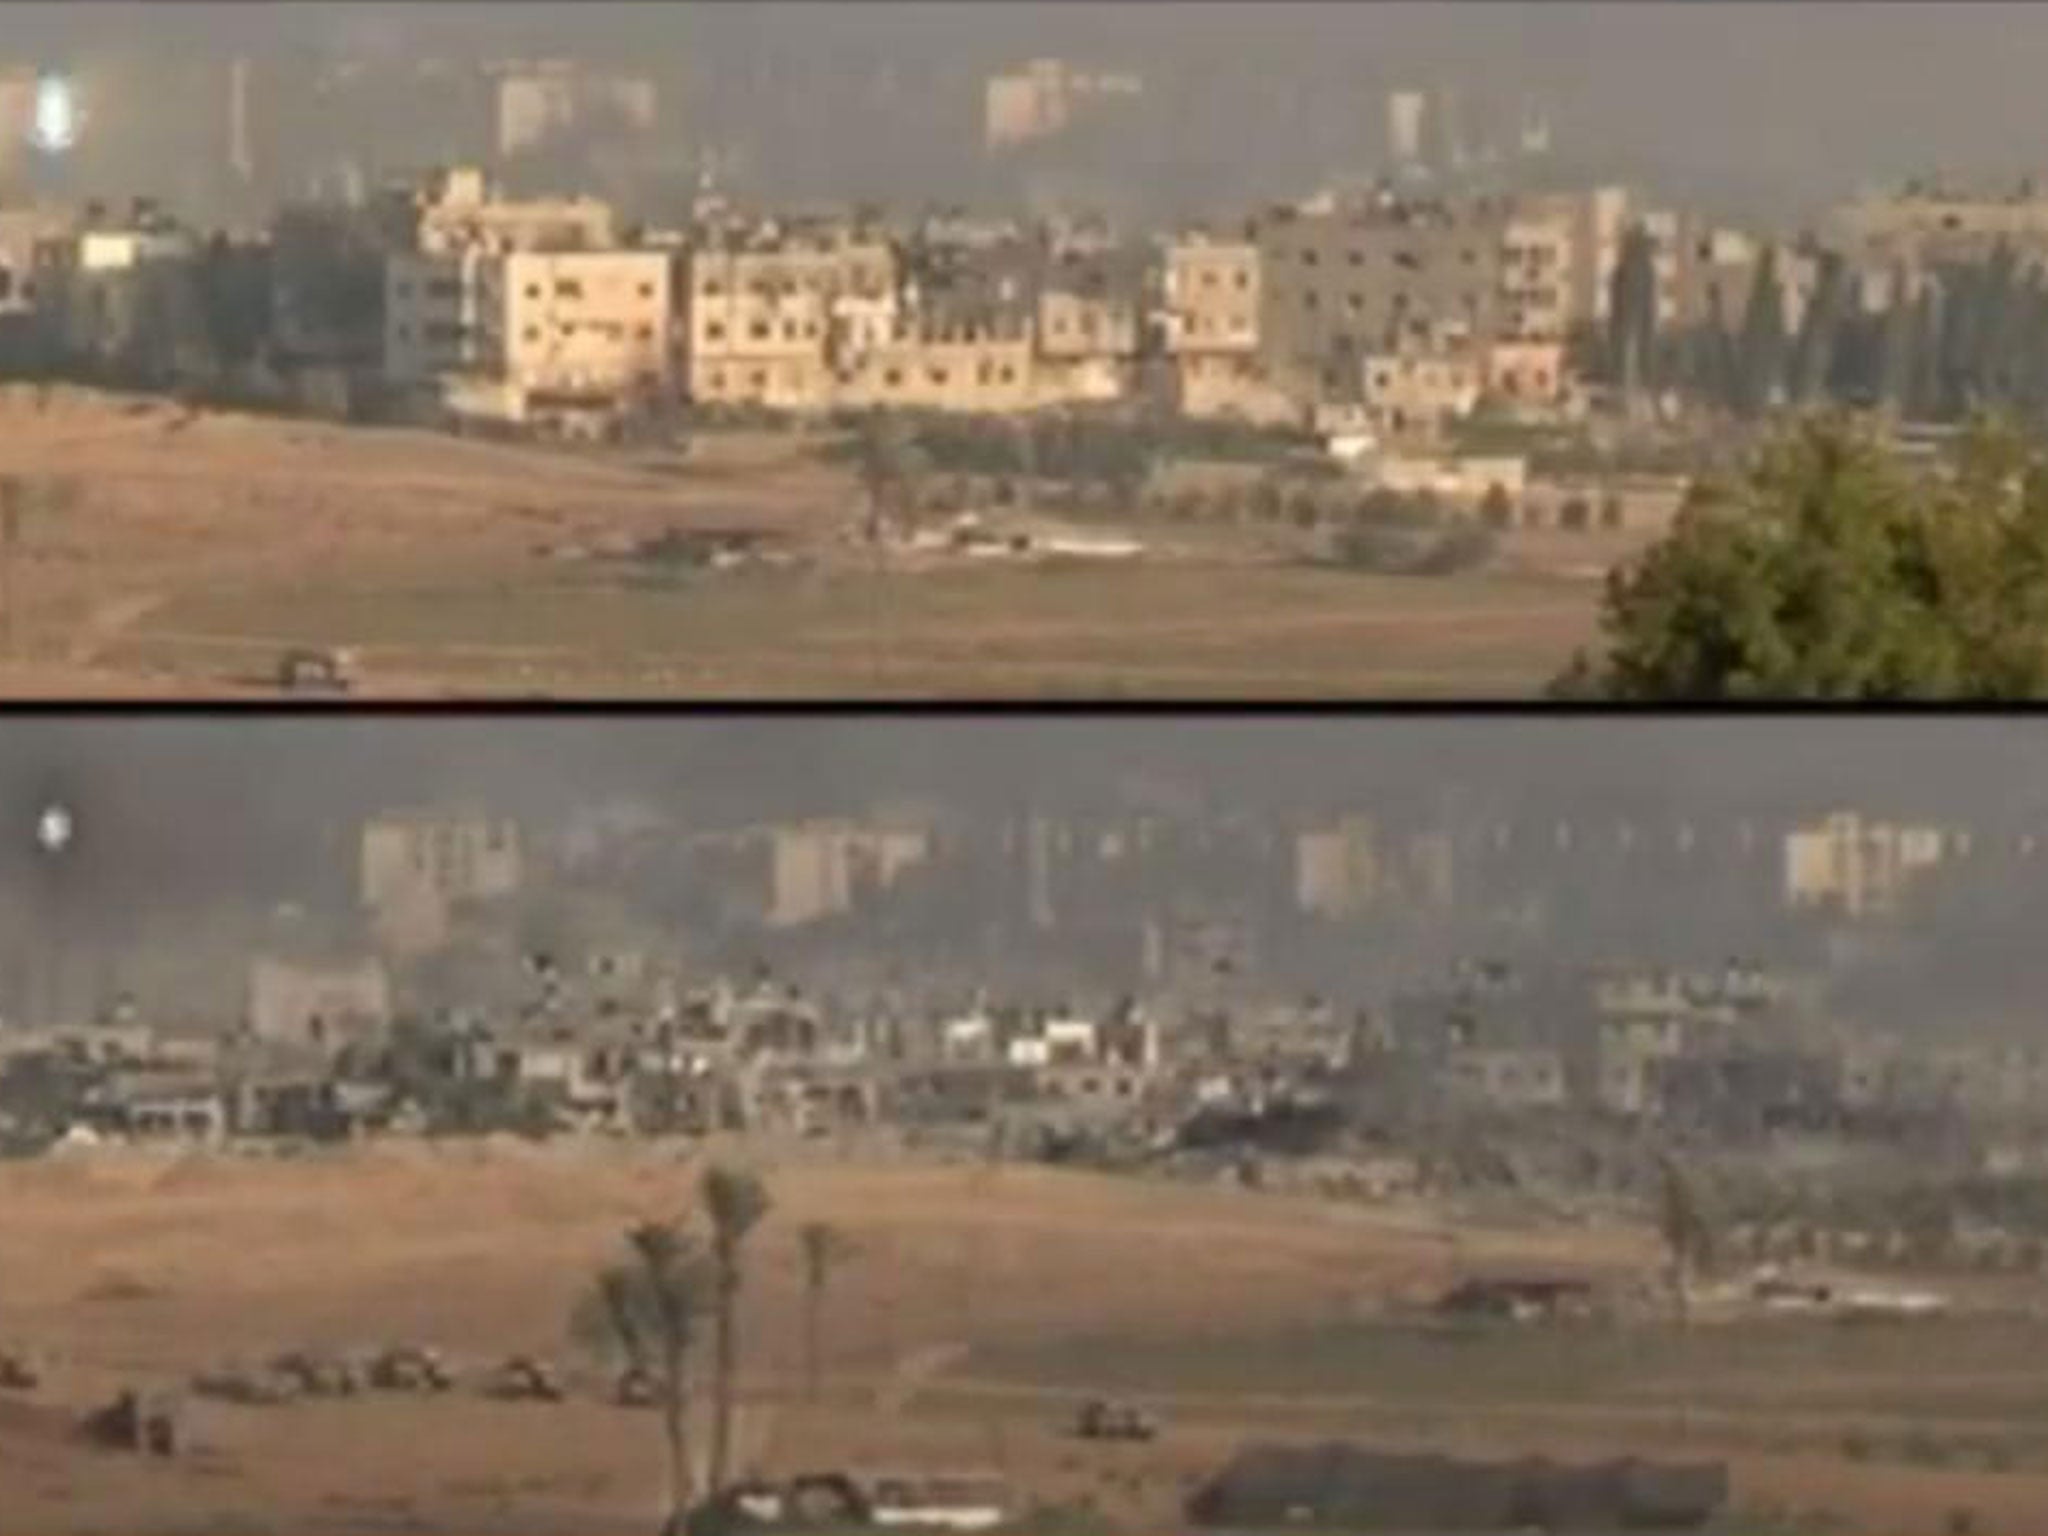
643 1314
1684 1230
891 465
825 1249
735 1202
1760 353
1632 311
1812 364
1835 571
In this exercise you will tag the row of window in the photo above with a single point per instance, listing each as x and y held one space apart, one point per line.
985 373
446 290
1355 302
1408 260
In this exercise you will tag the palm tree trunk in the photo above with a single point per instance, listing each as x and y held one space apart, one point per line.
813 1304
675 1426
721 1420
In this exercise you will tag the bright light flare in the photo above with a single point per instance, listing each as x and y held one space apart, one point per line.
54 829
55 128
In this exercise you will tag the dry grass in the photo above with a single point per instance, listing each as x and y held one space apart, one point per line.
954 1341
198 548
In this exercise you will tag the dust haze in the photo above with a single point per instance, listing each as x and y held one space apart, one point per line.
1758 110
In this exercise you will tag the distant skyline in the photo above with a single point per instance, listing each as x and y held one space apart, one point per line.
1762 108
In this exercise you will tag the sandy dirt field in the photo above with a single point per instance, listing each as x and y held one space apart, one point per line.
983 1305
167 554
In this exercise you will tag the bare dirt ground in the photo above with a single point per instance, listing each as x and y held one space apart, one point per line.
191 549
982 1306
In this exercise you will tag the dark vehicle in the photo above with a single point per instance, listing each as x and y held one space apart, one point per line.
525 1379
410 1368
1100 1420
307 671
318 1376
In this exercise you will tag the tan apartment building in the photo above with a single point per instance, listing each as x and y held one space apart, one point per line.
1206 324
1337 869
1087 346
537 102
588 322
1920 225
591 326
416 867
1537 300
819 869
987 366
458 209
1418 392
1043 98
766 315
1860 868
317 1004
1596 221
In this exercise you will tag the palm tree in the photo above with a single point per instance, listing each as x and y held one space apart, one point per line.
825 1249
644 1310
1688 1240
735 1201
891 465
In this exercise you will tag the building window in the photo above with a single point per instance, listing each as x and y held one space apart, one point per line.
1244 279
644 332
759 330
531 333
709 288
1308 258
892 377
938 375
714 330
647 290
568 288
533 290
1008 374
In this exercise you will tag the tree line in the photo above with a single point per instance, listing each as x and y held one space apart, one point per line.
1940 343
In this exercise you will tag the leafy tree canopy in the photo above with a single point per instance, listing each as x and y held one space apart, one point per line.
1836 571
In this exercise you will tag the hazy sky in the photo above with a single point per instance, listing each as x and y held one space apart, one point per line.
1769 102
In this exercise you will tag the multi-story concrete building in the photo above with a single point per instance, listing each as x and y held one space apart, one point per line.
458 210
769 315
321 1005
538 102
1206 327
820 869
416 867
988 366
1857 867
1923 225
1337 870
514 306
1343 278
1043 98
